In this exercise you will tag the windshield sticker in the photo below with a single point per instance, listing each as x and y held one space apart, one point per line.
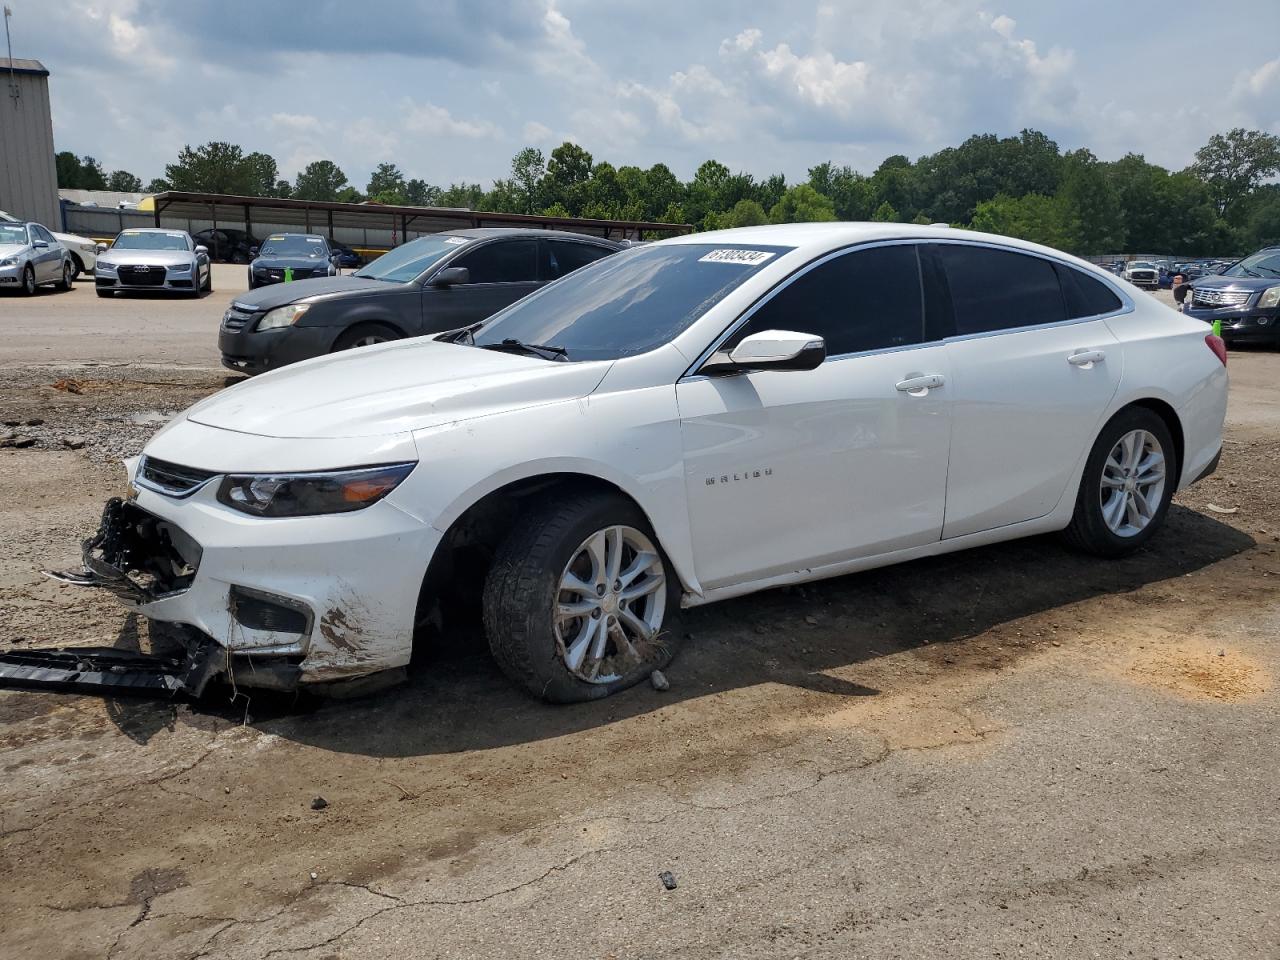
749 258
455 240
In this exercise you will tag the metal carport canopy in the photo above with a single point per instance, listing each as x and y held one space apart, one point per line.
322 216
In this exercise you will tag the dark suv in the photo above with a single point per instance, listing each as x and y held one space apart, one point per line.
428 285
228 246
1245 297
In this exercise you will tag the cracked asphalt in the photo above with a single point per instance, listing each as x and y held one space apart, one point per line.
1012 752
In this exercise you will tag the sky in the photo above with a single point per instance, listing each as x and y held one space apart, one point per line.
450 90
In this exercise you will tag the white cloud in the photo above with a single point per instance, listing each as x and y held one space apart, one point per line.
435 120
535 132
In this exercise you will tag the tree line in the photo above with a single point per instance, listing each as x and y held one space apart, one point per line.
1022 186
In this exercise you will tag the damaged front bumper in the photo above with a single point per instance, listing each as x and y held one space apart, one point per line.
267 603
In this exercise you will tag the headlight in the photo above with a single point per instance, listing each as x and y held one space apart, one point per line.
1270 297
180 268
88 248
9 262
283 316
104 267
309 494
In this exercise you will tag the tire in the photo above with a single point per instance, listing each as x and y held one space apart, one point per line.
366 334
525 588
1135 520
208 282
104 293
29 286
77 268
252 285
68 276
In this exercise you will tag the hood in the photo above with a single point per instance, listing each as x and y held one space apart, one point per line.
13 249
297 262
1218 282
277 295
153 258
393 388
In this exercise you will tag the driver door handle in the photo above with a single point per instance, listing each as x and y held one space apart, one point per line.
920 386
1086 358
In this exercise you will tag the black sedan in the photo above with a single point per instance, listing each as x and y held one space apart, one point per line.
292 256
348 259
428 285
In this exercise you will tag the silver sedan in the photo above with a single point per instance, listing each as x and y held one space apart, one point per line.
154 259
30 257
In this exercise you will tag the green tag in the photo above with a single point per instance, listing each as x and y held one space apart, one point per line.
288 274
1217 328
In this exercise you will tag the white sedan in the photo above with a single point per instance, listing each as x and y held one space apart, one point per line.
680 423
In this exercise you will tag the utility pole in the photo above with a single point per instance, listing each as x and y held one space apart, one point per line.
13 84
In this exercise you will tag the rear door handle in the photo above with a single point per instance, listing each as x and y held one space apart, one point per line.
1086 358
920 386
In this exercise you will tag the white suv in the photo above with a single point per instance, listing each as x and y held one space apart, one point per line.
682 422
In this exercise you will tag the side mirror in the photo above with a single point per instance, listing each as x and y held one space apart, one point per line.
101 248
201 248
770 350
41 244
451 276
253 251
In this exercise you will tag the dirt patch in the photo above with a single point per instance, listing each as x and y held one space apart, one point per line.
1200 671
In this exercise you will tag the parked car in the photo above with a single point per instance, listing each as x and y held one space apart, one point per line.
434 283
291 256
83 251
31 257
1142 274
348 259
680 423
1245 298
228 246
151 258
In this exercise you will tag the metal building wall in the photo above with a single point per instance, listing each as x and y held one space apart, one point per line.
28 174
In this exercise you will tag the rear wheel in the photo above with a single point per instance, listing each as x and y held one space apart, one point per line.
1127 484
366 335
77 268
579 601
68 276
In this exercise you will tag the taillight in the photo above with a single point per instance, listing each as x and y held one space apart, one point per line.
1218 346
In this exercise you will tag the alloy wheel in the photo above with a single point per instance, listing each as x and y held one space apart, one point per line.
1132 485
610 604
369 340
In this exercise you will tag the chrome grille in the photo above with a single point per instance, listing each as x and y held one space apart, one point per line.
235 320
171 479
1213 297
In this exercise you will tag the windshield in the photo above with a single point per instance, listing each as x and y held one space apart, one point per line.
13 233
137 240
1264 264
410 260
629 303
1141 265
295 246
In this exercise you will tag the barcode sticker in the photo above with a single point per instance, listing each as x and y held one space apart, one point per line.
455 240
748 258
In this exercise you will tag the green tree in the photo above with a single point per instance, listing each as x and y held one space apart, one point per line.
220 167
528 167
1235 163
568 170
467 196
852 194
745 213
885 213
802 204
158 185
349 194
1032 216
386 184
419 193
320 180
79 173
1090 205
123 181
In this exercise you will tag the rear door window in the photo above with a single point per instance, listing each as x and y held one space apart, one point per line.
568 255
994 290
863 300
1085 295
502 261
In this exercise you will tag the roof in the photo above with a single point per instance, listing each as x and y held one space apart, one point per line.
318 213
31 67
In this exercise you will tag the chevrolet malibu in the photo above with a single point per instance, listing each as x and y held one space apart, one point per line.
680 423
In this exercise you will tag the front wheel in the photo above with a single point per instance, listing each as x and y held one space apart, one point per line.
77 268
28 281
580 601
68 277
1128 482
365 335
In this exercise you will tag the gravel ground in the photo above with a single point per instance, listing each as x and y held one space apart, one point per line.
1015 751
